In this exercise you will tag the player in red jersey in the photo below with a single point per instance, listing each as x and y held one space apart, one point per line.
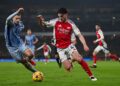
46 51
101 46
63 29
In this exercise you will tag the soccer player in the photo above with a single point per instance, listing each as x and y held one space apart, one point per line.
14 43
46 51
101 46
30 42
63 29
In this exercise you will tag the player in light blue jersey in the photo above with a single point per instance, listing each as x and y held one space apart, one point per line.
14 43
30 41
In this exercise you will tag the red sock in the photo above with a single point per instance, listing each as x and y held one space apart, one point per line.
94 59
46 60
86 67
32 62
113 56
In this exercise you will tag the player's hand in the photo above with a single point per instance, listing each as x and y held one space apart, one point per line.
41 20
86 48
20 10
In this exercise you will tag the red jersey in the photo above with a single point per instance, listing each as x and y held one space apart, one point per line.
45 48
63 32
100 37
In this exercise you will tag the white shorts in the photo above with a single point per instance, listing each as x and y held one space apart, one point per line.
99 48
66 53
46 54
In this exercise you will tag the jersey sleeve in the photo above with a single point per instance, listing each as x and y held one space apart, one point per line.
73 37
75 29
11 16
101 34
50 23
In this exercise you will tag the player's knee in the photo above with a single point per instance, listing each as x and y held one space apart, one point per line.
68 67
29 54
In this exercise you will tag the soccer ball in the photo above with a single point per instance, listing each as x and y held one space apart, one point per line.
37 76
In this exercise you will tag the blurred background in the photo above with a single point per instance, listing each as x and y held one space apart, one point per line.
85 13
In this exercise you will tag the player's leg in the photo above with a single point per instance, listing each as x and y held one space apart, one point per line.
18 56
74 55
110 55
114 57
33 51
57 57
58 60
66 63
29 66
96 50
28 53
46 55
77 57
46 59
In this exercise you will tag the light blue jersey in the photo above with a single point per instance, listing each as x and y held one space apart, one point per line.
12 33
29 39
14 43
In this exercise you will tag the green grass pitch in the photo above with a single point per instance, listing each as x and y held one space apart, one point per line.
12 74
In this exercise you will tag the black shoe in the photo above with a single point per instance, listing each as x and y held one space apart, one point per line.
93 66
93 78
60 65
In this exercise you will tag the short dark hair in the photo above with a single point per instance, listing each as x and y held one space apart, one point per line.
98 25
62 11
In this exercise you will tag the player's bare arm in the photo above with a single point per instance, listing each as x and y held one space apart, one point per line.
82 39
97 40
19 11
36 41
39 48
